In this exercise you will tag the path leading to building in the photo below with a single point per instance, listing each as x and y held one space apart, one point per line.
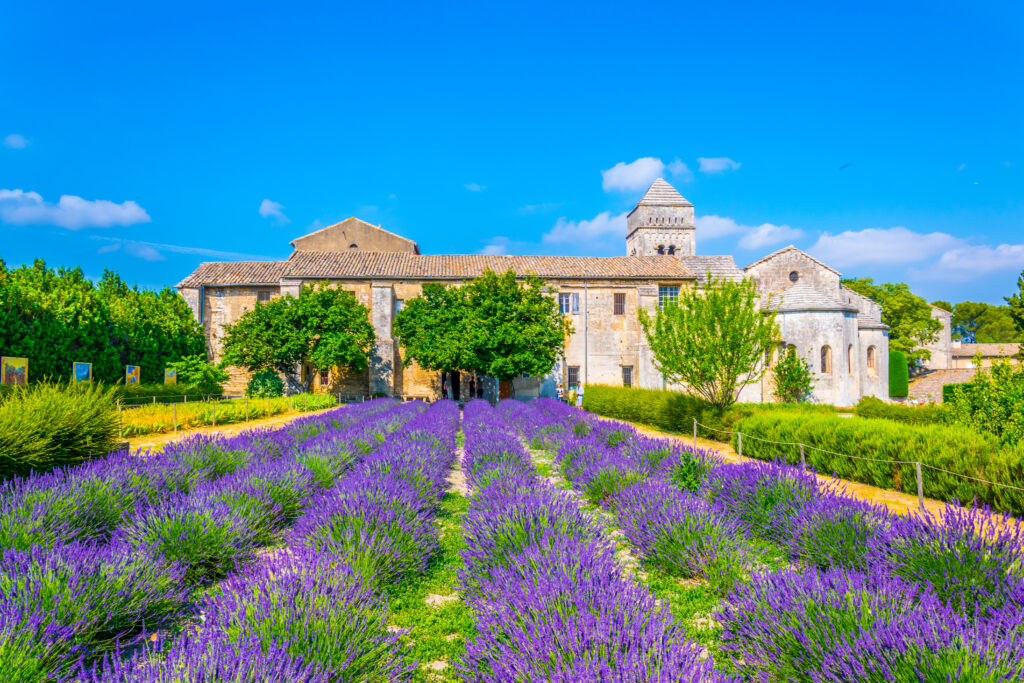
156 442
897 502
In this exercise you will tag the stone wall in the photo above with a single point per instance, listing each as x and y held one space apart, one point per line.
941 347
354 235
773 275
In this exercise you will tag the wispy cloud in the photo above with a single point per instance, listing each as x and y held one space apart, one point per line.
28 208
148 249
474 187
680 171
274 210
715 165
881 247
972 261
15 141
712 227
601 226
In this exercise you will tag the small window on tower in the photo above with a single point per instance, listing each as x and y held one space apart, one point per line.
661 249
671 250
794 276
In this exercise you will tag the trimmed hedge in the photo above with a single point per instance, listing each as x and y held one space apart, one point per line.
872 407
673 411
949 391
48 425
957 449
899 375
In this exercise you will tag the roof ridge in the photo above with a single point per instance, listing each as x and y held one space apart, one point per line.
793 248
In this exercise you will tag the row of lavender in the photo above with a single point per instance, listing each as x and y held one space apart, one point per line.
550 600
866 596
97 556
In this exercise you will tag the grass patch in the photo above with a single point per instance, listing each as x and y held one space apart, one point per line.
436 633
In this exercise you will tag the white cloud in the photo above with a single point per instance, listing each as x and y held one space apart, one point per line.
496 245
153 251
15 141
768 234
680 170
753 236
474 187
601 226
971 261
271 209
28 208
881 247
636 175
717 164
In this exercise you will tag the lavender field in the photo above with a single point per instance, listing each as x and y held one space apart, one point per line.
523 542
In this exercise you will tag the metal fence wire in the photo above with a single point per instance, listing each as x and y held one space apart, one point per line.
918 466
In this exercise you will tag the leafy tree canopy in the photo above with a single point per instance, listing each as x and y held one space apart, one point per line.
513 327
324 327
55 317
714 339
1016 304
981 323
908 316
195 372
793 377
433 329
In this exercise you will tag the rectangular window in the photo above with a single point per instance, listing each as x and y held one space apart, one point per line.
325 377
565 303
620 304
574 376
263 295
627 375
575 302
399 305
667 293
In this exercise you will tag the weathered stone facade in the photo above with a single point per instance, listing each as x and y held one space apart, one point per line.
601 297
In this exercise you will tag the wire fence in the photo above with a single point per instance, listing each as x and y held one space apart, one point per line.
918 466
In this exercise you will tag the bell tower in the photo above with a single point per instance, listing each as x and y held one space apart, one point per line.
661 223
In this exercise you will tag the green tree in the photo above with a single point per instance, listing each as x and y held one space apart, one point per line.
715 339
899 375
195 372
324 327
943 304
513 326
1016 304
992 401
982 323
908 316
433 329
793 377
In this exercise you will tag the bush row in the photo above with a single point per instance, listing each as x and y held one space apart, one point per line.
872 407
871 441
674 411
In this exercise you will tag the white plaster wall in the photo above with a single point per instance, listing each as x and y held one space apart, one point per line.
874 383
808 331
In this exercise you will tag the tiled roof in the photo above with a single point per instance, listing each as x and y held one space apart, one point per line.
803 297
866 318
722 267
1004 349
370 265
236 273
660 193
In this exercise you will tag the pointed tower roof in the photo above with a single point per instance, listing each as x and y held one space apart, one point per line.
661 193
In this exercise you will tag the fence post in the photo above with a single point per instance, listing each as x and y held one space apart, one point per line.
120 428
246 408
214 412
186 397
305 403
739 443
154 400
174 410
694 433
803 463
920 487
289 403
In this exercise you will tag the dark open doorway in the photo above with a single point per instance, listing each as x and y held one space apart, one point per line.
455 386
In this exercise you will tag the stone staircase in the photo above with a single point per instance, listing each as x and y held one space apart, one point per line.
928 387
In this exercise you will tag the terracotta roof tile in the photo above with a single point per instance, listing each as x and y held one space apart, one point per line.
235 273
374 265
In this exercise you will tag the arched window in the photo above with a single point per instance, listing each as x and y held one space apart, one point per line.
849 360
826 360
872 360
671 249
661 249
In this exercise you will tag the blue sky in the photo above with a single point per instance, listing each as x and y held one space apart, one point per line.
885 138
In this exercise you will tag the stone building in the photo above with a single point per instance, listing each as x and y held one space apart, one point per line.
838 331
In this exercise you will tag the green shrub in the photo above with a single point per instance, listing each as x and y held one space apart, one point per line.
949 391
265 384
674 411
872 407
199 374
954 448
993 402
48 425
899 375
